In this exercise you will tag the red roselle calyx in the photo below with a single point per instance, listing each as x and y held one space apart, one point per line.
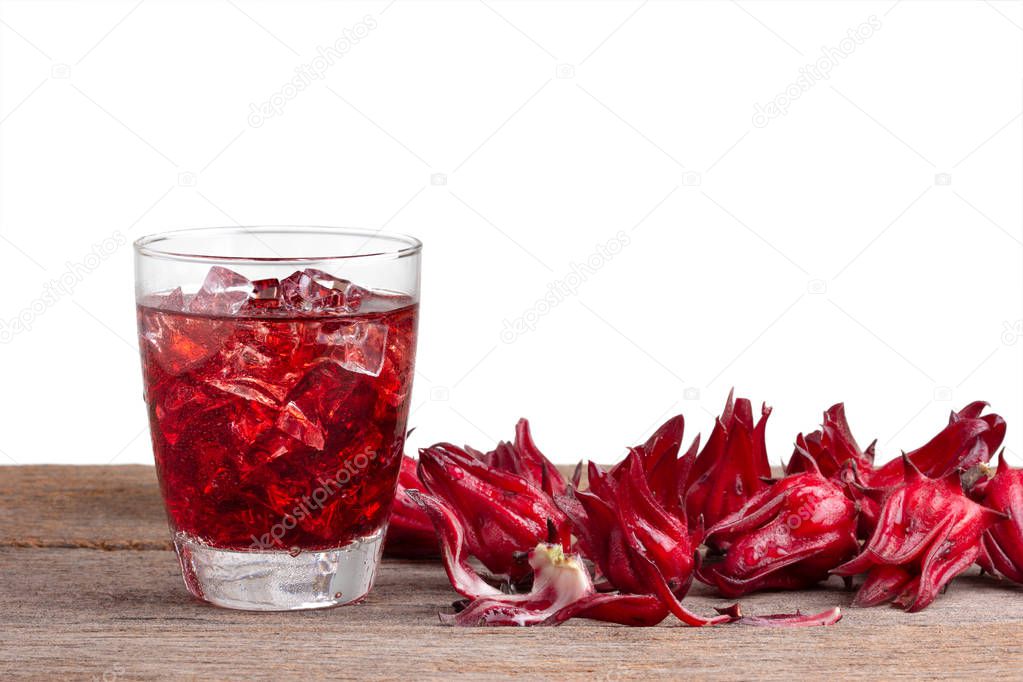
731 468
971 438
624 530
788 536
1002 552
641 544
410 532
928 532
503 514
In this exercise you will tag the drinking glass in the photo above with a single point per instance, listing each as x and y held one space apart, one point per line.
277 364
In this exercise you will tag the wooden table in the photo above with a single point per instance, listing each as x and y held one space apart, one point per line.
90 589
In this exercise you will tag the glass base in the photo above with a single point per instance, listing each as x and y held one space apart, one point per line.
279 581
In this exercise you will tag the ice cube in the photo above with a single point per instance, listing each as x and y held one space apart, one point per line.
347 295
301 292
173 300
265 294
323 398
224 292
180 343
356 346
300 426
252 390
314 290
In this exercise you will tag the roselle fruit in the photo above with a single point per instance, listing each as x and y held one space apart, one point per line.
638 539
623 528
504 514
788 536
410 533
1002 551
928 532
731 468
639 545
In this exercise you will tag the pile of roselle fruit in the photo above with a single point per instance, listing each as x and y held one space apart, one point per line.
626 547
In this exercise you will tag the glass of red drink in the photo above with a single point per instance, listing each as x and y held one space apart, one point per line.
277 364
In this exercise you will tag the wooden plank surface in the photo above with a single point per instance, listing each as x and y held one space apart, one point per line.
89 591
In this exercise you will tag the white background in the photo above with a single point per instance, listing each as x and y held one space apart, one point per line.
815 259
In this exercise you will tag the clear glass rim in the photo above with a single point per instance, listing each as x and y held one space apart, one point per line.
402 245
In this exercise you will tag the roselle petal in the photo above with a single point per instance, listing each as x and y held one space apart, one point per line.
605 542
1003 542
656 582
638 610
732 467
946 560
663 537
410 532
543 473
454 552
715 447
883 584
794 620
867 500
659 456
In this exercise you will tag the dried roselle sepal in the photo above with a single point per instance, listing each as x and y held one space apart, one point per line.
789 536
732 467
793 620
410 533
524 459
503 513
930 530
562 589
1003 543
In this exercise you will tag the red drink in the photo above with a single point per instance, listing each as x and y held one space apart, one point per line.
277 409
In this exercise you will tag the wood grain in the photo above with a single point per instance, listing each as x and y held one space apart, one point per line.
70 609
